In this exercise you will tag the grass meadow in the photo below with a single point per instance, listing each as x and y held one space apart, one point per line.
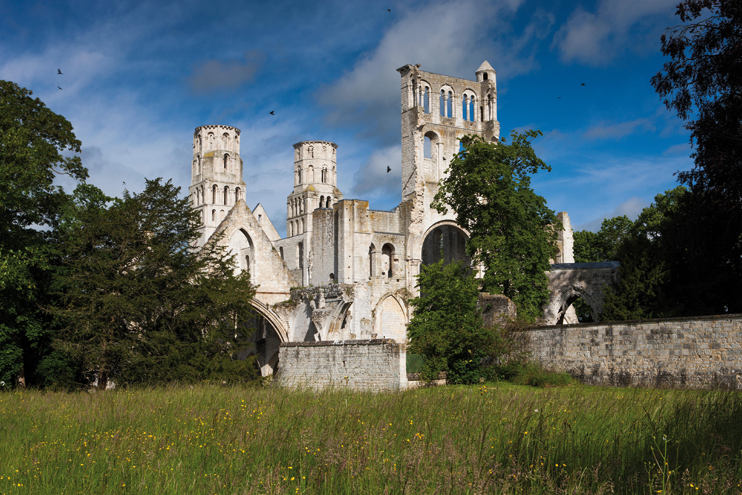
494 438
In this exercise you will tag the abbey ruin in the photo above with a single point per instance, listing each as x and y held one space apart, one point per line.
345 272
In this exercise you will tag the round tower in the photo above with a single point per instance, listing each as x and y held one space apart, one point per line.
216 174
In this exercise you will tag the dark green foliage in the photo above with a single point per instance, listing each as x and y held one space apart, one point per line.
446 327
512 232
702 82
590 247
33 145
138 303
640 293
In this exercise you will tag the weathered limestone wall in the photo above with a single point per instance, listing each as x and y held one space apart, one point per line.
699 352
374 365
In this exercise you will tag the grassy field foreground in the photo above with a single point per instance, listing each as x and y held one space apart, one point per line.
497 438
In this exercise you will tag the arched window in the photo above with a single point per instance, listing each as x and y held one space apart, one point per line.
427 151
213 195
221 214
426 100
237 193
199 143
299 176
280 251
484 76
472 115
481 114
300 255
442 104
225 141
328 201
464 105
449 105
213 215
310 174
226 195
302 226
310 151
321 201
324 175
290 229
247 263
387 256
226 159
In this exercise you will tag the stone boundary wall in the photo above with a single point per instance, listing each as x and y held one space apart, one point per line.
371 365
697 352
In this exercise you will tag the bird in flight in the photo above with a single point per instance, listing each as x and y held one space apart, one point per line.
559 97
273 112
582 84
59 88
59 71
388 10
388 169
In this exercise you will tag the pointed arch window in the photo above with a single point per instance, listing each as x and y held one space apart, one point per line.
442 104
449 105
472 115
213 194
465 106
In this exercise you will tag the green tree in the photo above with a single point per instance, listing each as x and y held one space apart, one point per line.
33 146
645 252
702 82
590 247
139 304
512 232
446 326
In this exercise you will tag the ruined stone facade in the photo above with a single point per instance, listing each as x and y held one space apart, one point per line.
353 269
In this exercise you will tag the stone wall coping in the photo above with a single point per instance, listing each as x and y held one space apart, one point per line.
328 343
586 266
675 319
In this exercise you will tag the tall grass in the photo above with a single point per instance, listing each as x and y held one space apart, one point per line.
490 439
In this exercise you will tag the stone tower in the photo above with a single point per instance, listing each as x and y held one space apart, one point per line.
315 186
437 111
216 175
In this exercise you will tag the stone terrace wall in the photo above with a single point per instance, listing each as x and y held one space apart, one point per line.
699 352
375 365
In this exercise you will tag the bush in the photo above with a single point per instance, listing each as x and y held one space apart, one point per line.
531 373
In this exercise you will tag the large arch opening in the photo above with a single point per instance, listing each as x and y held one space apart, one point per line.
447 242
262 341
575 306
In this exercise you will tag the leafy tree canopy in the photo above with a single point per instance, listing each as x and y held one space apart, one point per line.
36 145
512 232
446 326
702 82
136 296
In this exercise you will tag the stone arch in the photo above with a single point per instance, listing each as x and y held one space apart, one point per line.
391 318
444 236
275 320
557 311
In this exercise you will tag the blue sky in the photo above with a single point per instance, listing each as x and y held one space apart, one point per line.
138 77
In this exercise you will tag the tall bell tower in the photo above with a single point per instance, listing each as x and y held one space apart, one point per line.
216 175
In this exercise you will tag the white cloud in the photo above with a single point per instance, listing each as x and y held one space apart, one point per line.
631 208
595 38
450 37
619 130
373 180
209 75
